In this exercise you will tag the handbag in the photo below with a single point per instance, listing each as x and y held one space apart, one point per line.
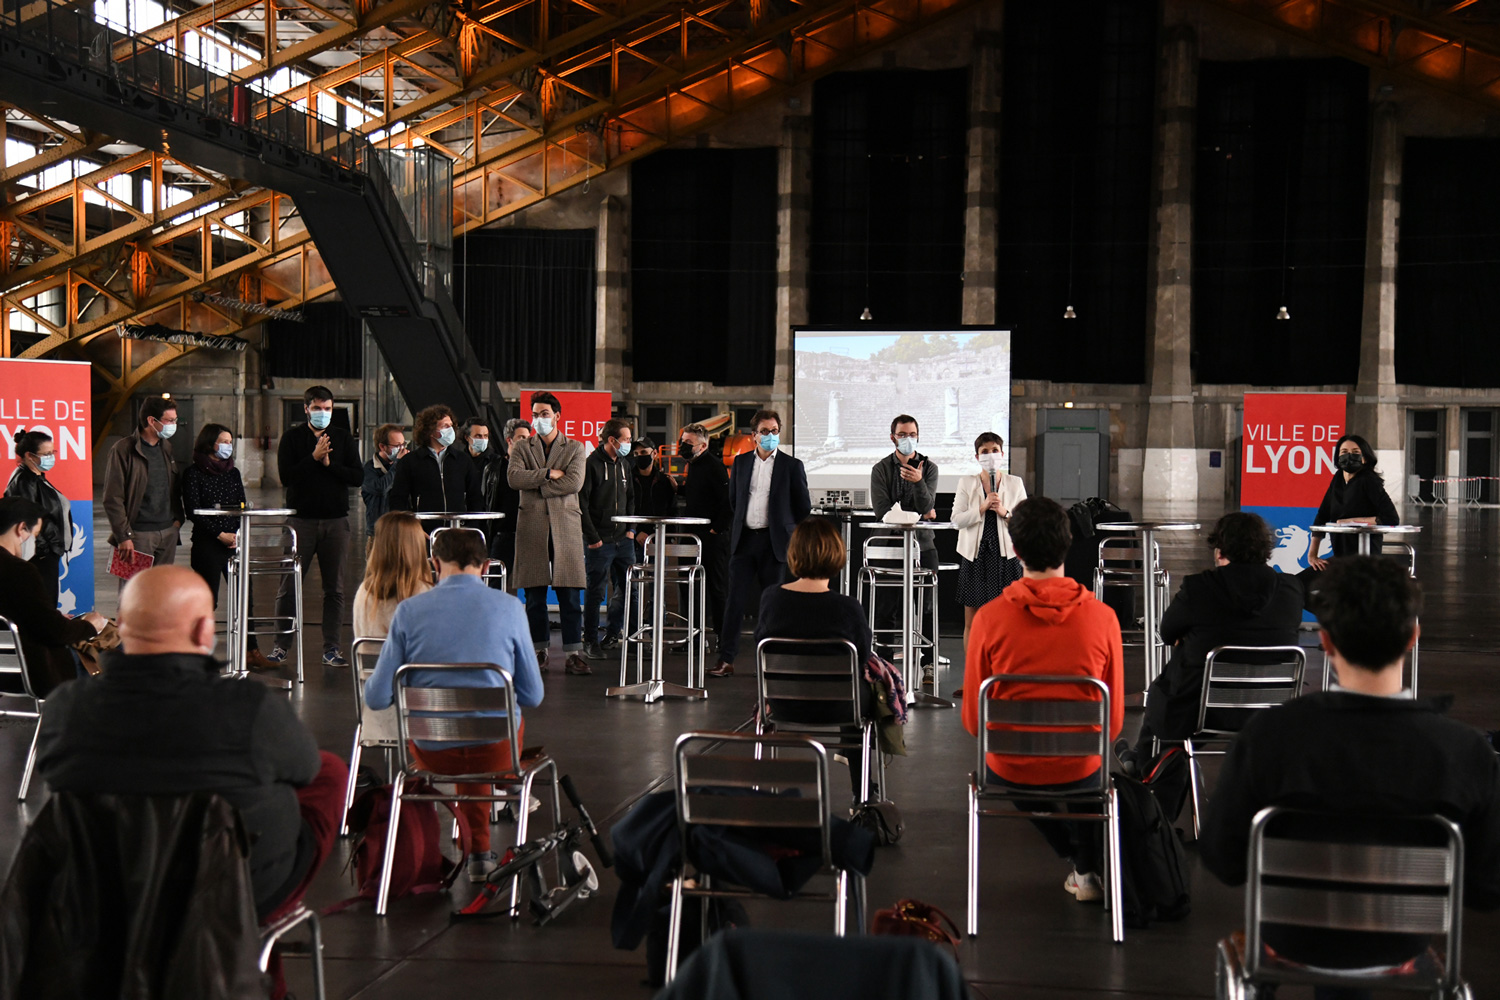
914 918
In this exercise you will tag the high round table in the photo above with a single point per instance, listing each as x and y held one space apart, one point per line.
1365 531
909 550
657 688
237 609
458 518
1147 530
845 516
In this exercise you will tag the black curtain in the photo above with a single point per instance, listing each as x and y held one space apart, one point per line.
890 150
703 266
527 299
1075 186
1448 270
1279 214
328 344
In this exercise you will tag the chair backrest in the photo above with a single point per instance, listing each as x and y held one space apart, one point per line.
1377 875
1403 553
12 656
802 670
1250 677
363 653
885 549
706 765
1043 727
681 550
457 714
1122 554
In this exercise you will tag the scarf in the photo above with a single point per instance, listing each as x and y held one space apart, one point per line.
212 463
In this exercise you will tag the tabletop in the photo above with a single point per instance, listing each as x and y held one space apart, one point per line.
457 515
244 512
658 519
1366 529
1148 526
914 526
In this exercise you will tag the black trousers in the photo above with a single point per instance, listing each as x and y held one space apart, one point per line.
49 567
752 568
210 560
716 577
888 608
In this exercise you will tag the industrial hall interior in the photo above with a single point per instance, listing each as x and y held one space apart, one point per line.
749 499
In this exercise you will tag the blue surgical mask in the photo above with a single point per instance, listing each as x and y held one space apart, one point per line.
446 436
542 425
319 419
167 430
479 445
770 442
623 448
47 462
224 451
906 446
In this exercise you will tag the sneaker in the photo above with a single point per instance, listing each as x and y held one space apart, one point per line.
541 660
1085 888
577 665
721 669
611 641
595 651
258 662
277 656
334 657
928 677
481 864
1129 761
508 811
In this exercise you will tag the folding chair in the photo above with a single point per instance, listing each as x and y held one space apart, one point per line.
1238 678
461 715
362 656
1361 875
684 558
800 674
730 761
13 661
1052 728
271 935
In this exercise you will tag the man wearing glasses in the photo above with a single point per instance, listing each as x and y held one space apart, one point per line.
909 478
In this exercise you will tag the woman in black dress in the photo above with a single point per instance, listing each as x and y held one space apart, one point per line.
1355 496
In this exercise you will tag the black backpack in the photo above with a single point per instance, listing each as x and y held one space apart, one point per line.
1154 872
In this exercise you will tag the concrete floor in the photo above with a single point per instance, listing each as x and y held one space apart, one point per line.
1035 943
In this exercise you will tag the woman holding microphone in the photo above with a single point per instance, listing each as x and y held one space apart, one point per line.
987 563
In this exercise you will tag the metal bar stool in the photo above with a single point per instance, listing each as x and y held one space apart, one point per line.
13 661
684 559
882 571
496 570
267 561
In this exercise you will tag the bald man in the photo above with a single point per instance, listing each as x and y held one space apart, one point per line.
162 720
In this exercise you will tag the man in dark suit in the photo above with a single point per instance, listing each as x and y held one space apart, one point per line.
767 498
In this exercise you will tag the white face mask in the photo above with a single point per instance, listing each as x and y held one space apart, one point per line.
991 461
28 548
542 425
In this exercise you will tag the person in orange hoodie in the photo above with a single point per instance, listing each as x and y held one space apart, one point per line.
1048 623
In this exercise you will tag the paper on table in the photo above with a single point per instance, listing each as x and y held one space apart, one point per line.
898 516
126 566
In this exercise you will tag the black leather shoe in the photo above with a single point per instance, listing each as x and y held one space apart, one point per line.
577 665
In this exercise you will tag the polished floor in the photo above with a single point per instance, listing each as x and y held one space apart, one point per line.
1035 943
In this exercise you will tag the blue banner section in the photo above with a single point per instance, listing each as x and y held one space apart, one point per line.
1290 526
76 590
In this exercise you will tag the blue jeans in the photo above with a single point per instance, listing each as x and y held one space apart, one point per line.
568 611
607 566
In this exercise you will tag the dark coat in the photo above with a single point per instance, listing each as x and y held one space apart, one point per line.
373 489
314 490
57 523
1362 496
1242 604
705 492
130 897
656 494
498 495
203 488
46 633
126 473
422 484
790 501
171 725
608 491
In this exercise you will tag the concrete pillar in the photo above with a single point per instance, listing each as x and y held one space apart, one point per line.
1170 472
981 211
793 233
610 264
835 438
1376 412
952 416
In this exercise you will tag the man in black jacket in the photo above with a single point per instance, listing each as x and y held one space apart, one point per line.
705 493
498 496
609 547
1366 749
318 464
437 474
1240 602
163 720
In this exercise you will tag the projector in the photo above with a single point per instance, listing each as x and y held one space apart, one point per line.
836 499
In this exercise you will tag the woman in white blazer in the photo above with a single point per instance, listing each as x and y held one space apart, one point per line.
988 564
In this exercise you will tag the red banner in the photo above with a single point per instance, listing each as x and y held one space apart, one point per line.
1288 448
584 412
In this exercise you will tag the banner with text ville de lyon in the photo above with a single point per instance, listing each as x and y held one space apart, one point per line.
1287 463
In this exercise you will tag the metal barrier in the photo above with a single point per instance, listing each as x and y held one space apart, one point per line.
1466 491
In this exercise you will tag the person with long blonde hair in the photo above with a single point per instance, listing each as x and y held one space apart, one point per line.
398 568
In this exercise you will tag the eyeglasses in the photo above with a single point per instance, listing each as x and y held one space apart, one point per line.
906 437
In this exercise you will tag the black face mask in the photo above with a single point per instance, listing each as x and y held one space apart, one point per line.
1351 462
685 450
644 463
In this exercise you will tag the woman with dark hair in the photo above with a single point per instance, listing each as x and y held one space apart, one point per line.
213 481
35 456
1355 496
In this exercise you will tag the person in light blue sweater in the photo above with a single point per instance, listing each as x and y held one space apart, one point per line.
493 630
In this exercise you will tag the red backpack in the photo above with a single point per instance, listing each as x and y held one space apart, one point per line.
419 865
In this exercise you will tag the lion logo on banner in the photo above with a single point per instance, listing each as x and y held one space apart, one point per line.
1290 553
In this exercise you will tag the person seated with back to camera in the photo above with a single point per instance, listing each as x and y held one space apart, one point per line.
1242 601
1047 623
163 720
46 633
1363 750
494 630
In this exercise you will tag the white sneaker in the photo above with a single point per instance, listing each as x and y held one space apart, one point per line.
1085 888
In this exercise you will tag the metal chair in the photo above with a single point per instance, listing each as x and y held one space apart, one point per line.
272 933
796 762
793 673
362 655
1122 564
1361 875
882 571
1053 727
1238 678
273 559
13 661
684 558
452 715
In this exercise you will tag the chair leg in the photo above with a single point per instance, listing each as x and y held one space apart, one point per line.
1115 889
1194 778
354 755
973 921
382 896
841 905
674 927
297 622
626 632
31 757
315 937
864 762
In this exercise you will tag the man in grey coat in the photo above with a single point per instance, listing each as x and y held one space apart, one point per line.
909 478
546 471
